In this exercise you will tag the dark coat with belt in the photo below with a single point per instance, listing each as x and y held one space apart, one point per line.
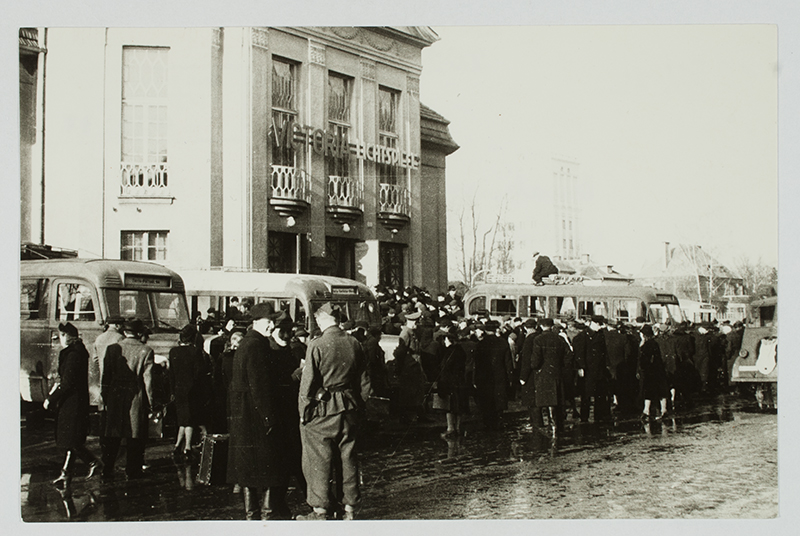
452 377
184 368
256 453
594 363
127 388
549 353
286 362
493 367
336 363
71 397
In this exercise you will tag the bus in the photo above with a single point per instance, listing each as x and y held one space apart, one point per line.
86 293
616 303
297 294
757 362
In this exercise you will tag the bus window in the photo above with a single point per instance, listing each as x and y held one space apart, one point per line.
537 305
167 312
74 303
477 305
33 299
624 309
170 310
565 307
503 307
663 312
299 312
588 309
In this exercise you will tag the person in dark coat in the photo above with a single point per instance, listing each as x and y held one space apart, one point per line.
376 363
451 384
687 379
493 369
332 389
526 374
616 345
550 351
703 356
542 268
666 344
411 379
652 375
593 365
184 367
127 391
257 450
70 399
227 370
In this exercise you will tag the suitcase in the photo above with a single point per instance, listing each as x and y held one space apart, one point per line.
213 460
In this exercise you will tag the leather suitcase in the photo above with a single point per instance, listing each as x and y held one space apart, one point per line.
213 460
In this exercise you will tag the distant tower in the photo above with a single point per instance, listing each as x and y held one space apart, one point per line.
565 208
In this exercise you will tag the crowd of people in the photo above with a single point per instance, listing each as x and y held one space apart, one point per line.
293 402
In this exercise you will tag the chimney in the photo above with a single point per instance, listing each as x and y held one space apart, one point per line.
666 255
610 268
585 258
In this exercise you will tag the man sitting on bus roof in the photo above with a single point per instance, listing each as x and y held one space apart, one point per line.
543 267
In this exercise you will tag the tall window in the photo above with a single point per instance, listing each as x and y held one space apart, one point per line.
387 131
339 92
144 118
143 245
284 110
281 252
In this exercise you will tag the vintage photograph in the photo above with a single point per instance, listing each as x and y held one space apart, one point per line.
292 273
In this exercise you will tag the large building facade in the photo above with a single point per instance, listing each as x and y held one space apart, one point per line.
293 150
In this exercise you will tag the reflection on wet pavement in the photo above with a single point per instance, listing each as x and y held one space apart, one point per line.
617 470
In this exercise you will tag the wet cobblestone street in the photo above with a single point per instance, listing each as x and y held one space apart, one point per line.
717 460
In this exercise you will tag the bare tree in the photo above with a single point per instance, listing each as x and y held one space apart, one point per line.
476 243
759 278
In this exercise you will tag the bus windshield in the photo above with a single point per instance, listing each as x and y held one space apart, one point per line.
661 312
355 310
162 312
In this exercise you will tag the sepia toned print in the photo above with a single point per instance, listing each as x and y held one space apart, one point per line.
398 272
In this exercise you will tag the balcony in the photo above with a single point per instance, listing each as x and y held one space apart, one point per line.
393 206
144 180
344 199
289 191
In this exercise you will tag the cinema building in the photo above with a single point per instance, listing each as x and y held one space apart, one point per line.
293 150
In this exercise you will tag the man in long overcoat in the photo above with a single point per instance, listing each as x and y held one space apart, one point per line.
526 374
332 389
550 351
594 364
257 450
127 392
493 369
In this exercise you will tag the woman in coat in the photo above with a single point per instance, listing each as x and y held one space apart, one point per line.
184 366
451 384
70 398
652 375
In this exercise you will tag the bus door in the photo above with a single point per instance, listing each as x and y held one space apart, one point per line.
36 344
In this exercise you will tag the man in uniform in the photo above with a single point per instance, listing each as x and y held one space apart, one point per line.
332 388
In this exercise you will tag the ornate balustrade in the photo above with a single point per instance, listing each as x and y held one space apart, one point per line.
393 205
290 193
144 180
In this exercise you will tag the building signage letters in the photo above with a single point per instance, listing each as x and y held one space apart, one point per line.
339 145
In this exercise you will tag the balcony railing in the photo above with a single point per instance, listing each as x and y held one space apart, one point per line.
290 193
393 199
144 180
344 192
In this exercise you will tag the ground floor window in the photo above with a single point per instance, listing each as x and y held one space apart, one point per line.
342 252
282 253
391 259
143 245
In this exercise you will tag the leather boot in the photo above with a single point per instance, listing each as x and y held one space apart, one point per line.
65 478
251 502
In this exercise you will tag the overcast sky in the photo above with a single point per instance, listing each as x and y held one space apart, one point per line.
675 128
